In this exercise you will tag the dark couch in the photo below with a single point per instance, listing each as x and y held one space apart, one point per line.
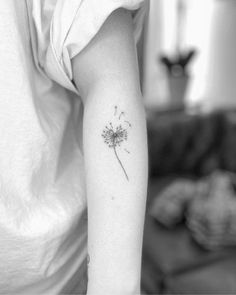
192 146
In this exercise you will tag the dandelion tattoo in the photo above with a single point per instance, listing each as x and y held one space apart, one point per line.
121 114
115 111
114 136
127 122
127 151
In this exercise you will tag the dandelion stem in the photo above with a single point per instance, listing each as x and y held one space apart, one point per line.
120 163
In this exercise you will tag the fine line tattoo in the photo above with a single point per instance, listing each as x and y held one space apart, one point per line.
115 111
114 136
128 123
121 114
127 151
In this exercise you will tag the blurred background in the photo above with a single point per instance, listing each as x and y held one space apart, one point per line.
187 56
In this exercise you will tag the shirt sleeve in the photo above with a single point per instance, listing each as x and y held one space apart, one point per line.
63 28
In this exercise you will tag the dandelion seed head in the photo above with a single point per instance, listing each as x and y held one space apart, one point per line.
114 136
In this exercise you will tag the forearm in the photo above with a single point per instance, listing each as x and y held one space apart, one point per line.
116 176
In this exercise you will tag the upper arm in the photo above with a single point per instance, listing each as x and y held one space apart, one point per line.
109 57
106 74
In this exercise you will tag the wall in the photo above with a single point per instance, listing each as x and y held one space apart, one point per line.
161 38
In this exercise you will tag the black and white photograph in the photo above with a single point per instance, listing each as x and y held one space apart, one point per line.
117 147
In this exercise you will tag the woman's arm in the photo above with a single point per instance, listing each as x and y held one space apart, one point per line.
115 150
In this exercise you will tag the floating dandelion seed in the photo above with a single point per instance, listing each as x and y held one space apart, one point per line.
114 137
128 123
115 111
121 114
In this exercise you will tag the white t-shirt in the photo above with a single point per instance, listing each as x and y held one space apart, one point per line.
42 185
